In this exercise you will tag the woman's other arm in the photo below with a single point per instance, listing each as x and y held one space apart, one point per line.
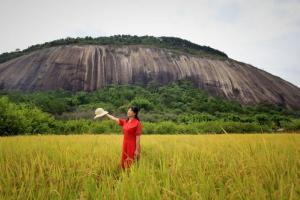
138 143
138 140
138 147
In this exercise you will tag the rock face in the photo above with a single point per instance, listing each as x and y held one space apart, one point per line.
90 67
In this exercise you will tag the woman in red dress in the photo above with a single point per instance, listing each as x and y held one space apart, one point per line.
132 130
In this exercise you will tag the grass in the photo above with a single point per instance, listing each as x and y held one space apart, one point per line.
234 166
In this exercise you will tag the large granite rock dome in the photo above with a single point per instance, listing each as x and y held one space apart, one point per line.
90 67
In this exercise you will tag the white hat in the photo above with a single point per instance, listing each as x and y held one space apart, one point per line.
99 112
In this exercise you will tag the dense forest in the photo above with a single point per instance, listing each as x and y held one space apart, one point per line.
175 108
173 43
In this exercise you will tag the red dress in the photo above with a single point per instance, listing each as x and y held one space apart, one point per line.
130 131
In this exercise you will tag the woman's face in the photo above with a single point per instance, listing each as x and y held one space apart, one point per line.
130 113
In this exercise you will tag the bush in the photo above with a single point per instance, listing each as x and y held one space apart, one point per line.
187 129
149 127
38 122
166 127
142 103
99 128
294 125
17 119
262 119
192 118
76 126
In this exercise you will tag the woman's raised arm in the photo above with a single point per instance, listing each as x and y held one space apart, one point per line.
112 117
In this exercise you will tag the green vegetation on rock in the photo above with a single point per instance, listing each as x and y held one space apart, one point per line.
173 43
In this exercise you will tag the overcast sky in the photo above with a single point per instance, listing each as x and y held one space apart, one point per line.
264 33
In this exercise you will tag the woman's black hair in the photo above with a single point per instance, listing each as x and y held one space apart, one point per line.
135 110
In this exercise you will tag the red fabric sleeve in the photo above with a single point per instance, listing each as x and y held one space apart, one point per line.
138 129
121 122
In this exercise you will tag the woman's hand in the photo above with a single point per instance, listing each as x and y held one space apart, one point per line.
137 154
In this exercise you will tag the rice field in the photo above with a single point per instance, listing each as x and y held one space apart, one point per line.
228 166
